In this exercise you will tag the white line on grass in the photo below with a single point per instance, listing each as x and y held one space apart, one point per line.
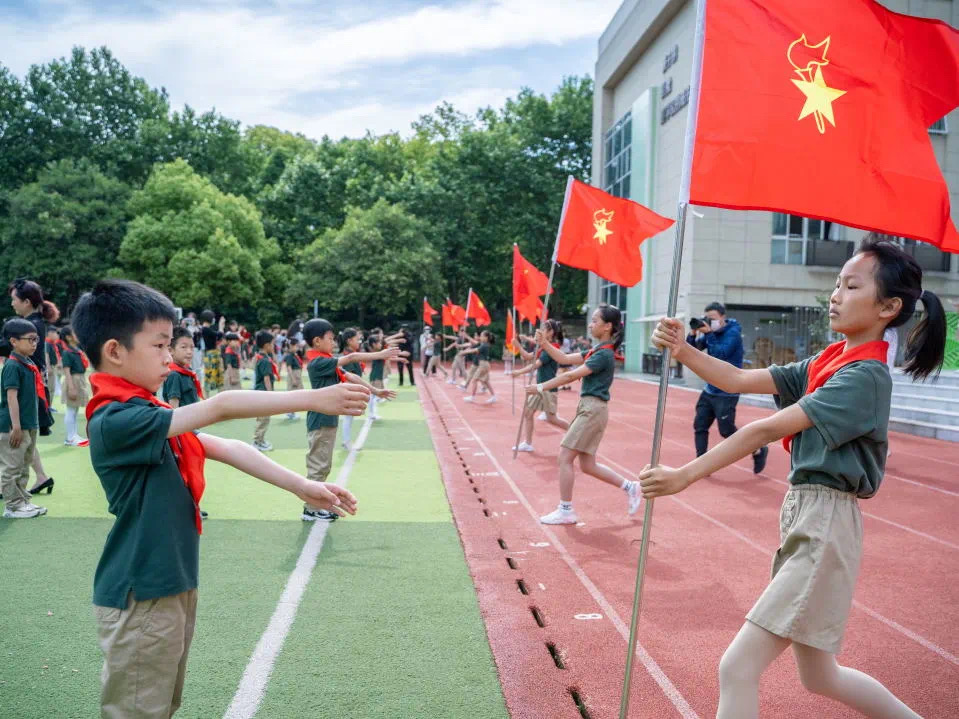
249 695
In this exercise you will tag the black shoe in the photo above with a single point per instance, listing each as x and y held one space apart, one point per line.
48 485
319 515
759 460
203 515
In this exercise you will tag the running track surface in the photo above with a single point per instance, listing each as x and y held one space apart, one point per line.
708 562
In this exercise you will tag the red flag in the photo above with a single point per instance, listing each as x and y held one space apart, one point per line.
510 334
477 311
821 108
455 314
602 233
447 317
532 309
428 313
527 280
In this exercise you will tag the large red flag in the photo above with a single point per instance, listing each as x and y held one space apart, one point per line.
602 233
532 309
477 310
527 280
455 314
822 108
510 334
428 313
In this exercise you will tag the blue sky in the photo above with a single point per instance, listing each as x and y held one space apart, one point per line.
337 67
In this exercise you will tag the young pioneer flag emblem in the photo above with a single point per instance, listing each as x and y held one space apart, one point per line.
819 96
602 218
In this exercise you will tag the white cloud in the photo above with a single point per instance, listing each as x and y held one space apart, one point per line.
249 64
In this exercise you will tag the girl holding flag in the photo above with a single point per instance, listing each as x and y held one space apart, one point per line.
545 367
834 421
595 367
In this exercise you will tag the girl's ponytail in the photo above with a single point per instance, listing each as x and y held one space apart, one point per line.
926 344
49 311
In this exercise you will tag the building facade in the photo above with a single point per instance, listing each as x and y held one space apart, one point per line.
772 271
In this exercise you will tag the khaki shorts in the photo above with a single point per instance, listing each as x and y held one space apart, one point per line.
588 426
296 379
482 372
319 458
145 649
815 568
542 402
81 390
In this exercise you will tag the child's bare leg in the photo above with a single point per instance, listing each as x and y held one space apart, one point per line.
489 387
566 473
528 421
822 674
557 421
588 464
742 665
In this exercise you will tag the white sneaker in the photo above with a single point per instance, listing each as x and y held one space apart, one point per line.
41 510
523 447
635 497
451 381
467 399
541 416
560 516
25 512
491 400
346 445
291 415
264 447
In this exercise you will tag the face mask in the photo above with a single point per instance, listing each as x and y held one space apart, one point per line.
714 325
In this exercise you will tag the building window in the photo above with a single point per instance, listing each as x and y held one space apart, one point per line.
617 171
791 235
939 127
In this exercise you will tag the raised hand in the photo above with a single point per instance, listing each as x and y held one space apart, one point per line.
670 334
327 496
660 481
385 393
343 398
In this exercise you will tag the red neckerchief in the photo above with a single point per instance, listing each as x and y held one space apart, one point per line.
540 351
187 447
361 364
62 345
229 351
313 354
180 369
84 360
56 347
276 370
299 362
37 377
834 358
596 349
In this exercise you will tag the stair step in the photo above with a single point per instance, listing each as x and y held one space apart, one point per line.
932 430
940 417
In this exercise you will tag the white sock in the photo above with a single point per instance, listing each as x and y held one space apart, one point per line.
71 424
566 506
626 485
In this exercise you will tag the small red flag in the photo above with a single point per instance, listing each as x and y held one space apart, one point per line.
510 334
428 313
455 314
527 280
478 311
822 108
603 233
531 309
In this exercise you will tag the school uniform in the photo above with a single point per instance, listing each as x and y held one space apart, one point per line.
295 365
21 374
231 364
482 363
53 369
77 383
321 428
264 368
586 430
181 387
544 401
376 373
834 463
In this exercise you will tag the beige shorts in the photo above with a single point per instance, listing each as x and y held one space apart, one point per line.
815 568
542 402
482 372
81 390
319 458
295 379
588 426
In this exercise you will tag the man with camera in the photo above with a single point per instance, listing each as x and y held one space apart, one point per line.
722 338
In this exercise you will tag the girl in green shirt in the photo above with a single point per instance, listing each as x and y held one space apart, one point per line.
481 375
545 368
834 420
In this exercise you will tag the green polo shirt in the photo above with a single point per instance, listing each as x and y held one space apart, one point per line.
546 370
482 353
602 363
16 376
51 354
181 387
153 548
354 368
292 360
846 446
322 373
231 360
263 369
376 370
71 360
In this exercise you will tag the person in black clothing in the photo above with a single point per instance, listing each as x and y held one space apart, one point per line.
26 297
406 345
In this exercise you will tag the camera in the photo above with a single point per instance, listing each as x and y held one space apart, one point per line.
696 322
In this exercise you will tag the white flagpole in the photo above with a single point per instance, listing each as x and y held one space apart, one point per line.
691 119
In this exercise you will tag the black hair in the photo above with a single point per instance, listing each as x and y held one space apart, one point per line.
346 335
263 337
490 337
229 336
315 328
557 328
611 314
899 275
29 291
717 306
208 316
17 327
180 333
295 327
116 310
67 331
53 328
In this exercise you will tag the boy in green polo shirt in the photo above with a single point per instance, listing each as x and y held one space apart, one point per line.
265 375
149 461
20 383
182 386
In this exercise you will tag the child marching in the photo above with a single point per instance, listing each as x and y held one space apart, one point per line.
480 374
545 367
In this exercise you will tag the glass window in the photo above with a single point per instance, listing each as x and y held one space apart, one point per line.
795 226
779 225
628 132
778 252
794 256
815 229
625 187
618 157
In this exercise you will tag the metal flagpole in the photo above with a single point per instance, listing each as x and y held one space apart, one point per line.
549 291
691 118
512 314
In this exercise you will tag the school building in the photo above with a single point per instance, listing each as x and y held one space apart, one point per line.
772 271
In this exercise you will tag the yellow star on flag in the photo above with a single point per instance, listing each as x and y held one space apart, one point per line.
819 99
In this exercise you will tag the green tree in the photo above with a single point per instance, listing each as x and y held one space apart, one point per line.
377 265
197 244
65 229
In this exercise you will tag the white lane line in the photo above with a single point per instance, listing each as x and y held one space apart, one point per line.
919 639
249 695
669 689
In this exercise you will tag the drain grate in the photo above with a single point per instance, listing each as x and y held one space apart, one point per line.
521 585
537 617
512 563
502 544
554 653
580 704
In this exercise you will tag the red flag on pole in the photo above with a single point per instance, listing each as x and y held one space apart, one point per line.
531 309
477 310
603 233
821 109
527 280
428 313
455 314
510 334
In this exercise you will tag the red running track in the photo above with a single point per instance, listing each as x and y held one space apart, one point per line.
709 560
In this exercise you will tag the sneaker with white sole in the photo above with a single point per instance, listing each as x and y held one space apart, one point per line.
541 416
291 415
41 510
25 512
468 399
76 442
491 400
523 447
635 496
318 515
560 516
346 445
263 446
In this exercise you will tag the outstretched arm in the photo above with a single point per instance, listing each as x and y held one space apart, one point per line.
560 379
556 353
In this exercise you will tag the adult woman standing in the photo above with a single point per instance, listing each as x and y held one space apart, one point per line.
212 361
26 298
